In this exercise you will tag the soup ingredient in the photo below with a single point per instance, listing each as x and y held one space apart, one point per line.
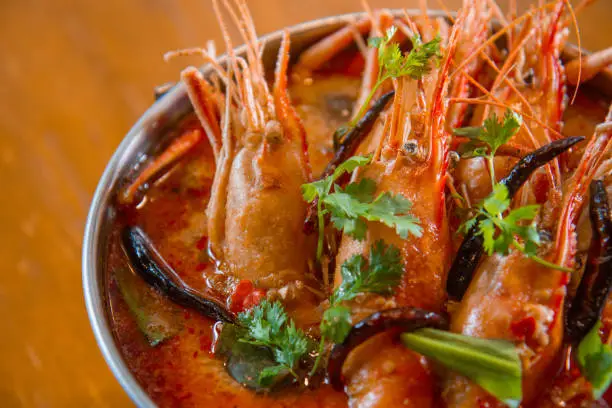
321 52
155 319
595 359
582 69
267 325
594 288
499 232
514 298
347 147
152 268
486 139
471 249
397 320
351 206
380 275
394 64
256 211
355 135
493 364
410 159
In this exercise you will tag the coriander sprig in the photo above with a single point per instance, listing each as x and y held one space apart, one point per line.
499 232
595 360
268 325
351 207
486 139
392 63
381 274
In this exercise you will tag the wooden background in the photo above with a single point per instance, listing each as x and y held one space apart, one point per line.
74 76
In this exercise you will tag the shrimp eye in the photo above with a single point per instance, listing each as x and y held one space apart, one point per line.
273 133
529 77
411 147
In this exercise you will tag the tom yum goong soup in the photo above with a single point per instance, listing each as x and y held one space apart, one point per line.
413 213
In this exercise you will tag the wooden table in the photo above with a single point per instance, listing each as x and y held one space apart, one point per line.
75 75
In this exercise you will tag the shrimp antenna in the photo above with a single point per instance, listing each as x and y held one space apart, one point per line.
494 37
575 23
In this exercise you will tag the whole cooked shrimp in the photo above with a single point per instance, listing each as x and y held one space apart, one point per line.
256 209
512 297
530 81
411 160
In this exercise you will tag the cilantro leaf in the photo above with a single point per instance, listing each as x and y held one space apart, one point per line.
493 134
363 190
355 203
498 201
349 209
392 211
385 270
595 360
382 274
319 188
499 232
268 325
392 63
336 323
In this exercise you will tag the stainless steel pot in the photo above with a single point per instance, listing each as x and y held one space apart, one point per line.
152 130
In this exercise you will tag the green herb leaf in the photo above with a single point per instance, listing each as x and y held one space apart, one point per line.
268 325
499 232
492 364
498 201
493 133
350 208
595 359
392 211
381 275
416 63
157 324
336 323
393 64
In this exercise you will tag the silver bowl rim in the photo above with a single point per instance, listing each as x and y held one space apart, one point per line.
91 272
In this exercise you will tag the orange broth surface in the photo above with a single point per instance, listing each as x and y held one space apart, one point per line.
182 370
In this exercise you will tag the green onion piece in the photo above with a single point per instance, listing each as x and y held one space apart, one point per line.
492 364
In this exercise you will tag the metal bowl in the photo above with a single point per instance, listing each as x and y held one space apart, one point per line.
152 131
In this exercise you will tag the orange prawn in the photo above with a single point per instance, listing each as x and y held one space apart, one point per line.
397 376
256 211
514 298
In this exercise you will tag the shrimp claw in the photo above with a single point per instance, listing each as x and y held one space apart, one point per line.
471 249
